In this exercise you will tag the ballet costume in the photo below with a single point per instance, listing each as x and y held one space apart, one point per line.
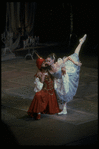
66 85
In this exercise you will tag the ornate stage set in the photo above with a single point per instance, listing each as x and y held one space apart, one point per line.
18 34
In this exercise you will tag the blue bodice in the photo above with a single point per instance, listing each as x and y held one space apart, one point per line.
58 74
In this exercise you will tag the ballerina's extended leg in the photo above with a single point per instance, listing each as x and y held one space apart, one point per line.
77 50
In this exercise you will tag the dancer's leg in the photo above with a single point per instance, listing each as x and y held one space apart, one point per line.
77 50
64 111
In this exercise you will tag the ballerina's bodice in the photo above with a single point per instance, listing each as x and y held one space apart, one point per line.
57 74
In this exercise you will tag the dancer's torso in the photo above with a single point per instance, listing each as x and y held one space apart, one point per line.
48 84
57 74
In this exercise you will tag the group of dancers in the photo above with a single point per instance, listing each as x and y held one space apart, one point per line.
55 80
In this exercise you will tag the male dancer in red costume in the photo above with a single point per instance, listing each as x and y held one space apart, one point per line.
45 100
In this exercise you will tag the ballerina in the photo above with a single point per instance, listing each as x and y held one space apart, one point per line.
66 73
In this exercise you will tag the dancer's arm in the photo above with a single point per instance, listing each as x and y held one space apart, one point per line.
41 76
69 58
38 84
65 60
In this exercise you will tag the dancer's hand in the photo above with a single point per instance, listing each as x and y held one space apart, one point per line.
63 69
78 63
41 76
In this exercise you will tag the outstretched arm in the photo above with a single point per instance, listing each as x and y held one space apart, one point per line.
69 58
66 59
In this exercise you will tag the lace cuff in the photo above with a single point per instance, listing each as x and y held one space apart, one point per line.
38 85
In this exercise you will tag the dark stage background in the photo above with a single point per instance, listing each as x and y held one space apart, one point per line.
52 23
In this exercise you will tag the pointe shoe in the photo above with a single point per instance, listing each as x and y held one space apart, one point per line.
83 39
62 112
38 116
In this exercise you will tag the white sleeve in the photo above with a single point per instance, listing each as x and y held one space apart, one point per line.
38 85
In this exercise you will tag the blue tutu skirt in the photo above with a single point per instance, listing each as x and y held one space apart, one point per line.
66 87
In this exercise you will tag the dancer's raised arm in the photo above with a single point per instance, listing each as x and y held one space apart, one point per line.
66 59
69 58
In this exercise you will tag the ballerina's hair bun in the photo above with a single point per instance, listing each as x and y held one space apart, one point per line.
52 56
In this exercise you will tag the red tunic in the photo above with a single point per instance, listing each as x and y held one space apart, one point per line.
45 101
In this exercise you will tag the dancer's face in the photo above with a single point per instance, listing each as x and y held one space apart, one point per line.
44 64
49 61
